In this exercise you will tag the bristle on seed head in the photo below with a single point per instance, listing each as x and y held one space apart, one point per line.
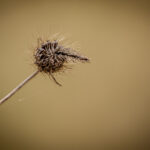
50 57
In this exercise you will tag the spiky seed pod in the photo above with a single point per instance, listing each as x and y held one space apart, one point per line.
51 57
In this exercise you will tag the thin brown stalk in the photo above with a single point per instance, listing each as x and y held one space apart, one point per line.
18 87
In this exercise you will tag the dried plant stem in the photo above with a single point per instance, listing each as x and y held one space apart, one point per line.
18 87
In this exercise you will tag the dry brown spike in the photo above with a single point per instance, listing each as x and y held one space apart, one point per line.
50 57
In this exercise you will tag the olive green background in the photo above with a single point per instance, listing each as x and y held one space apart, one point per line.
102 105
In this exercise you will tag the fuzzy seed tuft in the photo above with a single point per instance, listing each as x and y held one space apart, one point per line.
51 57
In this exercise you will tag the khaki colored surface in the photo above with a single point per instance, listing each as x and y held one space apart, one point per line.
102 105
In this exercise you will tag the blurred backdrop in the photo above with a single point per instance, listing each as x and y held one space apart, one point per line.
102 105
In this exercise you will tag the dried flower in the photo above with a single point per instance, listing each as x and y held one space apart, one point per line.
50 57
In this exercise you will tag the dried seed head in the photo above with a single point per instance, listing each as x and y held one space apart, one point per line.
51 57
